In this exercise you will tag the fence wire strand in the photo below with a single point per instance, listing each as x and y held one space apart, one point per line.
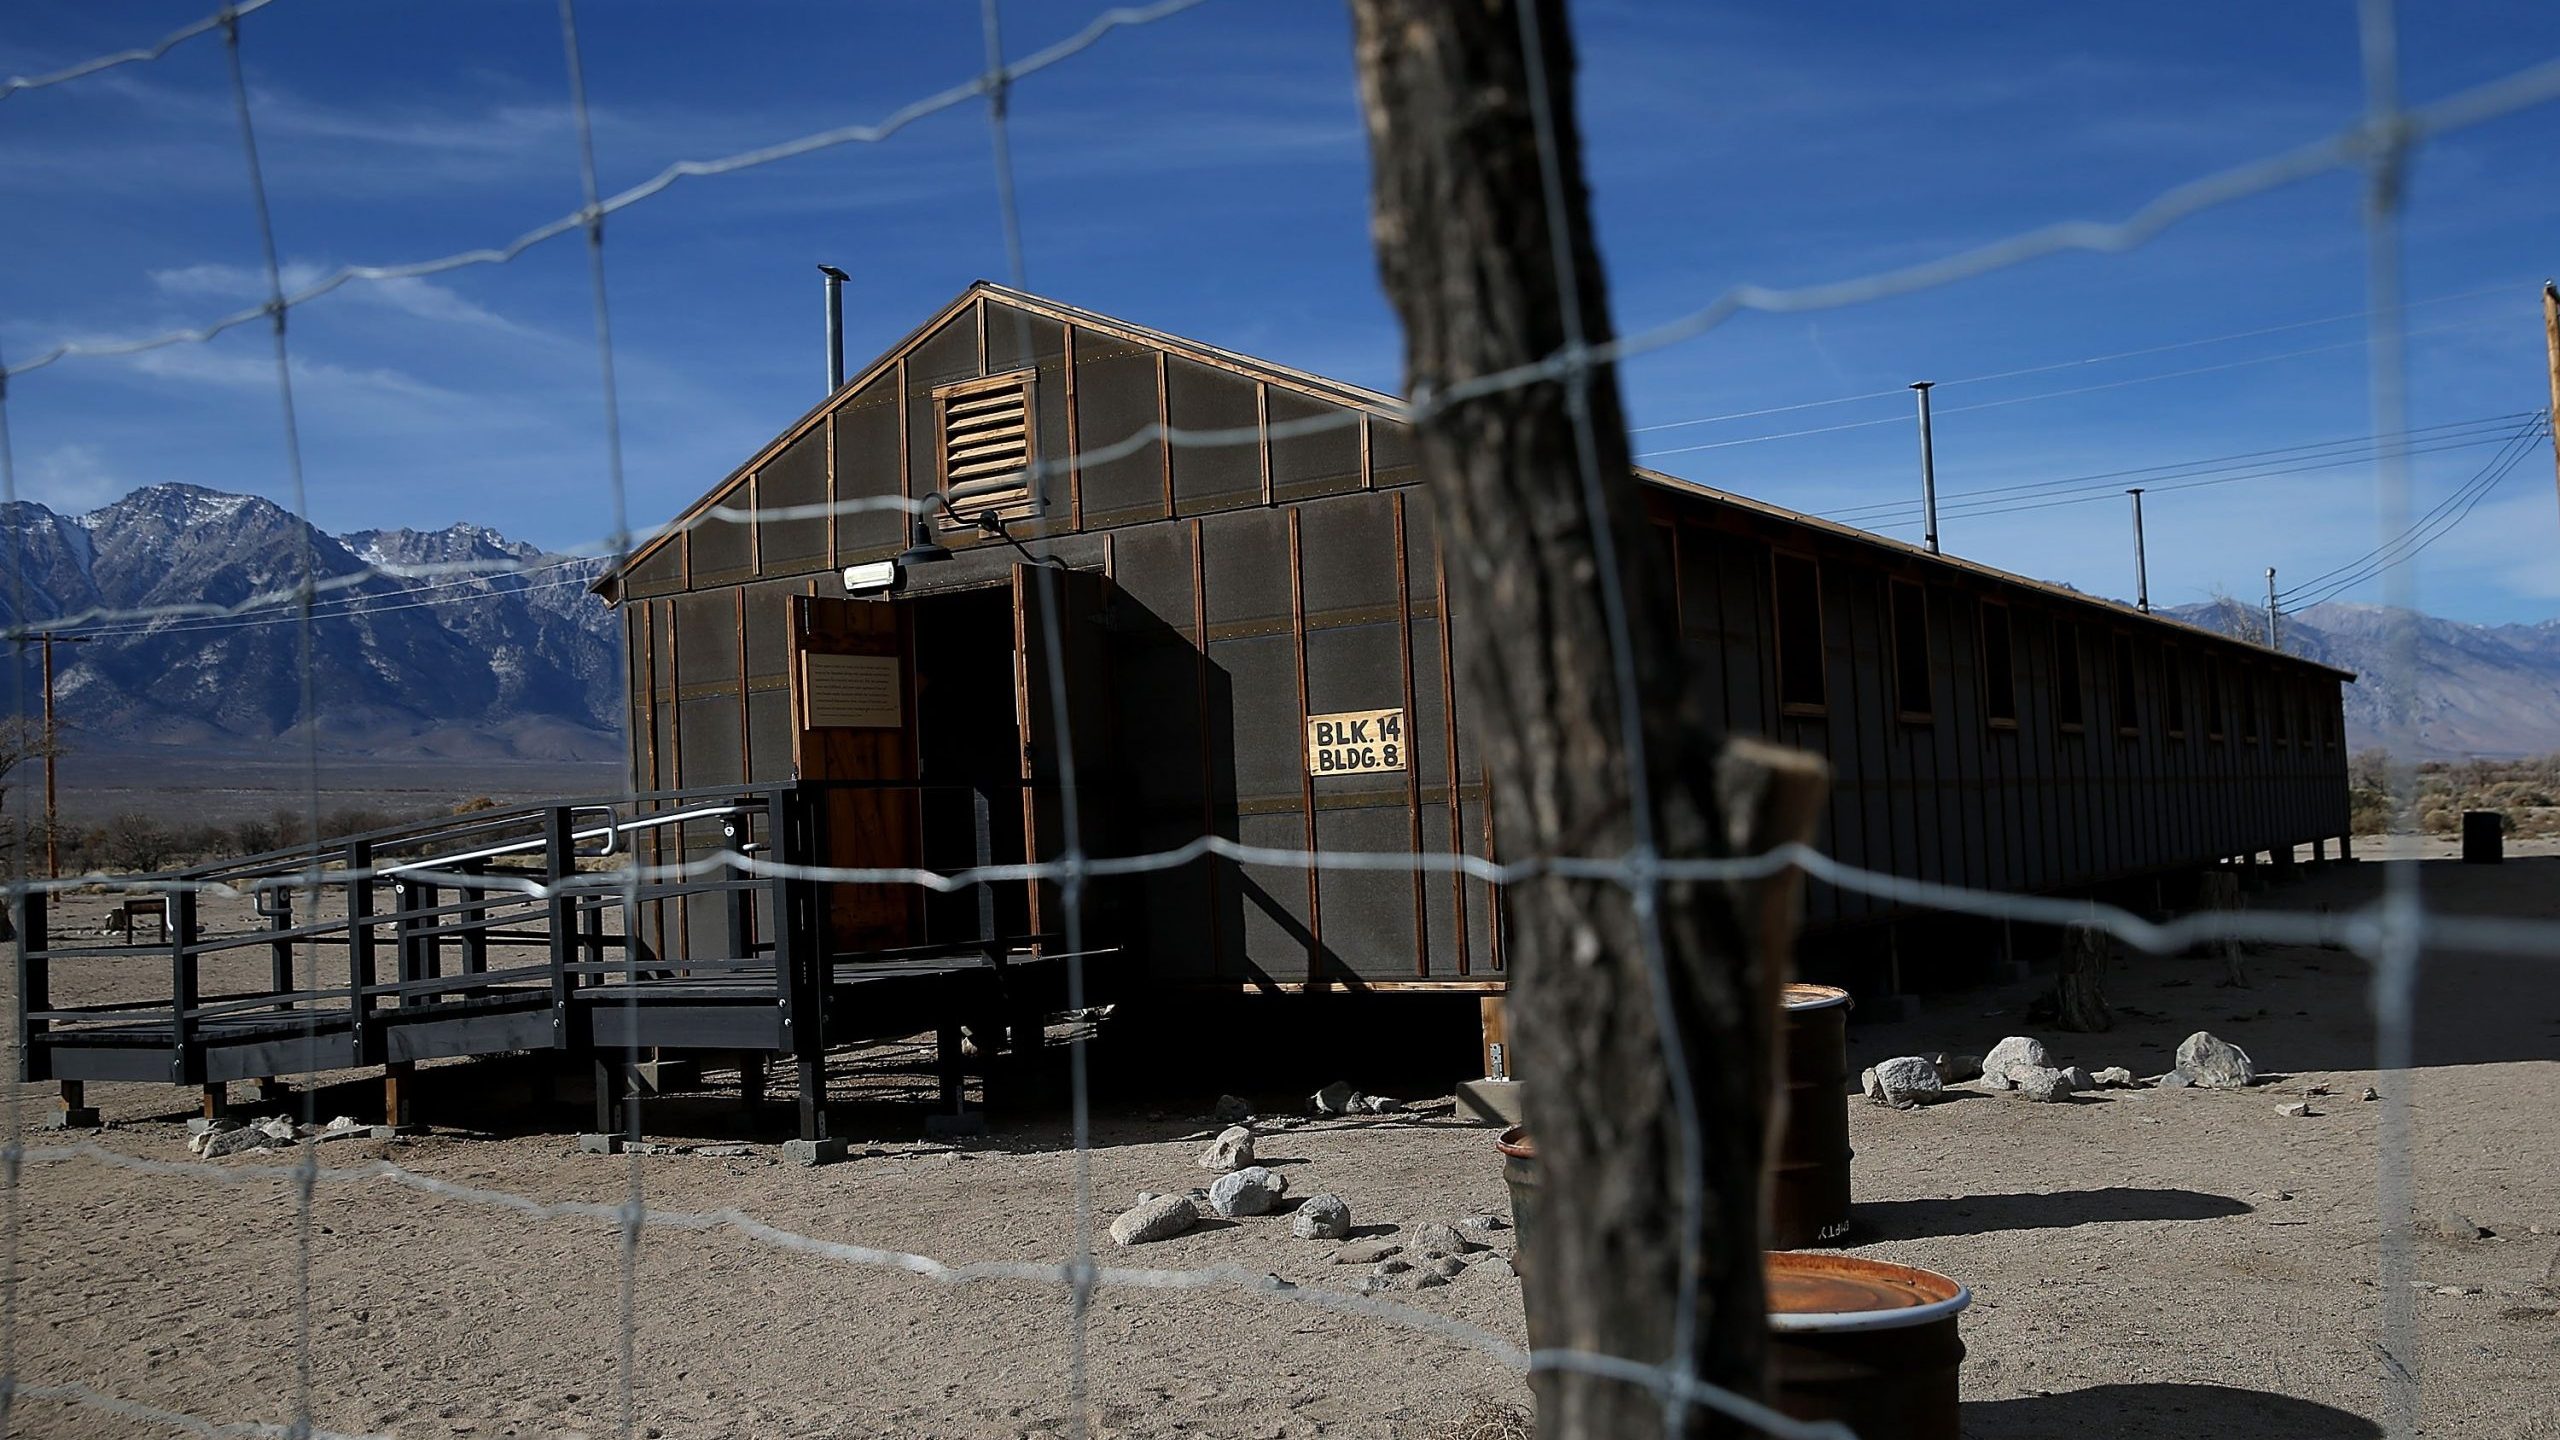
2402 913
2393 934
307 661
218 20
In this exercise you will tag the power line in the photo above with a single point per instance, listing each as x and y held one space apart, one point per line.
2442 528
2215 464
2524 435
2053 394
2055 365
358 611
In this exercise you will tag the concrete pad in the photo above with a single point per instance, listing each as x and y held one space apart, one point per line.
1493 1102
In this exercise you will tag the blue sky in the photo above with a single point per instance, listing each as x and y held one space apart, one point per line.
1208 175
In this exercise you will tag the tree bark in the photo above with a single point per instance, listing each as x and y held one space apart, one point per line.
1463 229
2080 984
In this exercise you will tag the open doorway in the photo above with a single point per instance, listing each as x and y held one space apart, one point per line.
968 733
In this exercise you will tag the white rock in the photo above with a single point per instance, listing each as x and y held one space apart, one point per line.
2214 1063
1321 1217
1955 1069
2078 1079
214 1144
1159 1219
2299 1109
1334 1099
1904 1081
2009 1054
1433 1240
1232 1150
1250 1191
2040 1083
1481 1222
2114 1077
1380 1104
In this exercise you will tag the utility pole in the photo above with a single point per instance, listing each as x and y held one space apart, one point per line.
2551 345
1928 469
49 745
2271 608
52 831
2141 568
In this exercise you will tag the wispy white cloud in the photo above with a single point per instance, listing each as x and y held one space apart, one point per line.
413 296
71 478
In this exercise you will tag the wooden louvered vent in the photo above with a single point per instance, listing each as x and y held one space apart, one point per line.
987 445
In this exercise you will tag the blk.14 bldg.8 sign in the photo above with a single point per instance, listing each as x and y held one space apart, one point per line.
1355 742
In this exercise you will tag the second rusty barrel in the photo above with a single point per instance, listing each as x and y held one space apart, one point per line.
1809 1192
1867 1343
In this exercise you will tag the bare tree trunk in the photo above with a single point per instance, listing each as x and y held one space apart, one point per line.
1463 230
2080 986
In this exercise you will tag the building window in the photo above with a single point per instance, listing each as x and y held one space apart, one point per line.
1999 667
2173 694
1799 624
983 459
2069 704
2128 705
2213 710
1911 693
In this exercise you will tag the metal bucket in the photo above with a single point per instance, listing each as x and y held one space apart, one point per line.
1870 1344
1809 1189
1520 1174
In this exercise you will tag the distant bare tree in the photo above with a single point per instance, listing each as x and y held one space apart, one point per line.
135 842
22 738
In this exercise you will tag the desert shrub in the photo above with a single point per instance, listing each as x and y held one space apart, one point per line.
135 842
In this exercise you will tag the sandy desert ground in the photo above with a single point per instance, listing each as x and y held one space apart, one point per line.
2146 1263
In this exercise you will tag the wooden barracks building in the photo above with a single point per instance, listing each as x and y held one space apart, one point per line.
1254 646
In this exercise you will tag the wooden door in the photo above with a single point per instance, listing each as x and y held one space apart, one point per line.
1082 600
853 717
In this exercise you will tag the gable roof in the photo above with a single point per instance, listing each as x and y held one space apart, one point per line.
1388 407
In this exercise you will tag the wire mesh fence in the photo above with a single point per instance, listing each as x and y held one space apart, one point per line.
2393 935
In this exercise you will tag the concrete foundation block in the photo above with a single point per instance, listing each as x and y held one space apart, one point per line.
593 1144
1492 1102
84 1118
814 1152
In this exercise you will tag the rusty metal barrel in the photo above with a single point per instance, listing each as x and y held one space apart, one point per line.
1520 1176
1809 1192
1865 1342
